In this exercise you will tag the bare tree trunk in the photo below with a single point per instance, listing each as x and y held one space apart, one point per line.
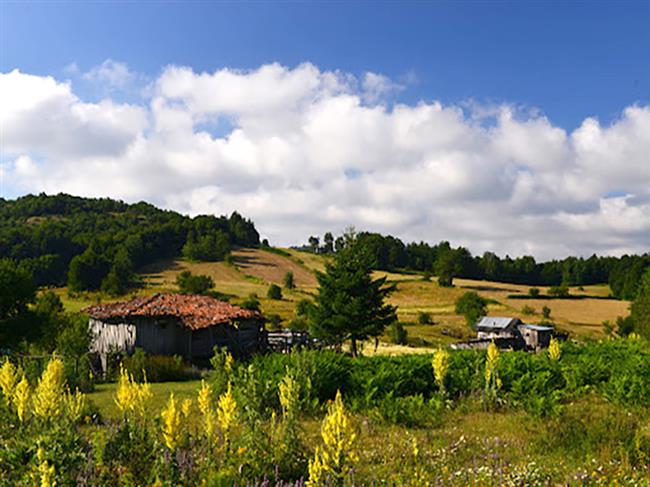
353 347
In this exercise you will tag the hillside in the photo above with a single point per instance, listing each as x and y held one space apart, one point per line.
253 270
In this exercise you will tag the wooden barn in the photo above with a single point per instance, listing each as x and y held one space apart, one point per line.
174 324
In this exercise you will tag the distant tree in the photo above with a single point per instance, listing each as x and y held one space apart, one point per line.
211 247
533 292
288 280
251 302
424 318
74 339
448 265
640 309
472 307
624 326
561 291
398 333
119 277
328 243
17 292
274 292
265 243
87 270
313 243
350 305
546 312
339 244
189 283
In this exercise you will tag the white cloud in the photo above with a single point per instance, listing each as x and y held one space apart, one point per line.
112 73
305 151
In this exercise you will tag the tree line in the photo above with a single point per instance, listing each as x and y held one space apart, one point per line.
97 243
389 253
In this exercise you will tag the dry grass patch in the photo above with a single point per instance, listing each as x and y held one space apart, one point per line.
272 267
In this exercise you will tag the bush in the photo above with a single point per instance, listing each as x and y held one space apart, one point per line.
274 321
410 411
533 292
424 318
528 310
559 291
158 368
472 307
251 302
189 283
398 333
546 312
288 280
274 292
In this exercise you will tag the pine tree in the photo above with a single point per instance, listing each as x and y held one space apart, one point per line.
350 304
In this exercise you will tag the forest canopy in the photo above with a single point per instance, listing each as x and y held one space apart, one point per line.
92 243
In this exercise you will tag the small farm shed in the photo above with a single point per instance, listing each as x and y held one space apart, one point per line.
493 327
174 324
536 336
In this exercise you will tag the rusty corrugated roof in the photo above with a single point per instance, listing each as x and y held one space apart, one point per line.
195 312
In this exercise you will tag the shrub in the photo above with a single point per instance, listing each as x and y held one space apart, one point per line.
398 333
528 310
546 312
288 280
424 318
274 292
559 291
533 292
274 321
410 411
472 307
251 302
189 283
158 368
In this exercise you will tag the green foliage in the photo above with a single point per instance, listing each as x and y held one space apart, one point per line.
350 304
87 270
546 312
528 310
534 292
472 307
424 318
640 309
17 291
211 247
158 368
288 280
189 283
251 302
274 292
274 321
398 333
119 277
561 291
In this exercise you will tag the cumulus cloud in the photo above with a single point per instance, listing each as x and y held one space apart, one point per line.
115 74
304 151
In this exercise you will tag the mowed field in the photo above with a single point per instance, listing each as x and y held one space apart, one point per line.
253 270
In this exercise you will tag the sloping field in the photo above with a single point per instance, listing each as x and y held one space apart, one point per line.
253 270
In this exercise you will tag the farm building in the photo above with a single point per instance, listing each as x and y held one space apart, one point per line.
509 333
174 324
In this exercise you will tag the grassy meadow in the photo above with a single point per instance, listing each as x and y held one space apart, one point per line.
253 270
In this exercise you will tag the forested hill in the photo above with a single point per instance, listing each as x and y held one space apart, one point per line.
91 243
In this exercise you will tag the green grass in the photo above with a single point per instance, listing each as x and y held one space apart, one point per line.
104 396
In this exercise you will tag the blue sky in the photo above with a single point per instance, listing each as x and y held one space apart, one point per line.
516 127
569 59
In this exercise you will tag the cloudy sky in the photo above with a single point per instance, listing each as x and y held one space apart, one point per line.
517 130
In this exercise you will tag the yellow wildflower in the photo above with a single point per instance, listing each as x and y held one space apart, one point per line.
440 364
226 413
46 472
185 408
416 449
317 471
288 392
228 362
338 452
205 406
492 361
21 398
130 396
554 351
49 395
75 404
171 427
8 380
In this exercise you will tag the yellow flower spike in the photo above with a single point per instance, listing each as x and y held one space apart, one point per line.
46 472
338 453
75 404
130 396
21 398
416 450
49 395
171 426
288 393
440 364
185 408
205 407
228 363
554 351
227 413
8 380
